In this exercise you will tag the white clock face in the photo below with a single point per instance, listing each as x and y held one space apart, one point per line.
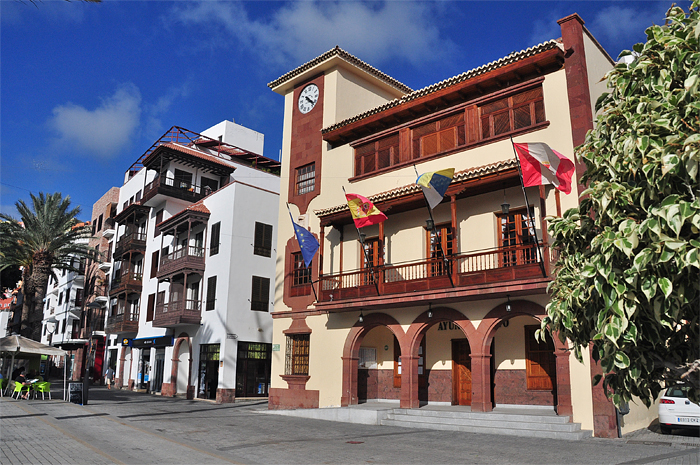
308 98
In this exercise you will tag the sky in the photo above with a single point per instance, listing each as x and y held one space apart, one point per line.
87 88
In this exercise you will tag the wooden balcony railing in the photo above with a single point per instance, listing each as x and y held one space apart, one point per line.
483 267
130 281
188 257
179 312
130 241
122 321
172 187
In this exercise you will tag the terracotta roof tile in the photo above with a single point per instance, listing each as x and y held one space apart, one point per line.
197 153
459 176
512 58
339 52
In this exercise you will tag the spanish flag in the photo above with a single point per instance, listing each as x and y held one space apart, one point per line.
364 213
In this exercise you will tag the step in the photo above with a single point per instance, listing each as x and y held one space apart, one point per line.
543 426
572 436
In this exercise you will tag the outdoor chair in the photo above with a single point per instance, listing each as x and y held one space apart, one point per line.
20 389
3 385
42 387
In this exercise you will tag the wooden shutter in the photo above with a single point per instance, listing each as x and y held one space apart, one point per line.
151 307
260 294
214 243
263 239
211 293
154 263
159 219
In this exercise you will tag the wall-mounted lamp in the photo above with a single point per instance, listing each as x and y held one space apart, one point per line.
429 225
361 318
508 307
505 206
430 310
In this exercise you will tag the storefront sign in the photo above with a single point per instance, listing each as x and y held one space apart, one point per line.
163 341
275 347
126 341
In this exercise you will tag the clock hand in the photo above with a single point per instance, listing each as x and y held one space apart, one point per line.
310 101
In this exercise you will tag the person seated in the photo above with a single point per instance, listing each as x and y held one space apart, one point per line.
23 381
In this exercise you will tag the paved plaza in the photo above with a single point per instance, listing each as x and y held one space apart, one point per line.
125 427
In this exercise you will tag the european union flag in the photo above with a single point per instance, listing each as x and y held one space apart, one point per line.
307 242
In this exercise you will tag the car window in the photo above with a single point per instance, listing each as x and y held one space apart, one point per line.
677 392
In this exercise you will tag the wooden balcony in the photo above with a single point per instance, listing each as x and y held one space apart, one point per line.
163 186
129 282
130 242
122 322
462 271
179 312
188 258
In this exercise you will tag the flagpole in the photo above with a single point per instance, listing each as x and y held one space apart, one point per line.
306 267
430 212
362 246
527 206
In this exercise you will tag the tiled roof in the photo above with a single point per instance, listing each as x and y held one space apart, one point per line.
197 153
198 207
512 58
339 52
459 176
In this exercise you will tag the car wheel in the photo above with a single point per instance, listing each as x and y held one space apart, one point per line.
665 429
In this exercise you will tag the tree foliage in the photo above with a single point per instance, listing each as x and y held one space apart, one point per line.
46 237
627 282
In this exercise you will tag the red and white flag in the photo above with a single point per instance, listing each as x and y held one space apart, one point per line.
542 165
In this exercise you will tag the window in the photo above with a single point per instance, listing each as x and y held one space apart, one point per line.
368 357
208 185
306 179
297 355
540 361
260 295
263 239
138 196
60 298
369 259
183 179
438 136
159 219
94 227
99 223
377 155
151 307
155 257
211 293
109 252
440 240
63 328
302 274
516 236
78 297
214 243
508 114
253 363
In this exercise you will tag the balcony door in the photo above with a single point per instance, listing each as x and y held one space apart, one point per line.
183 179
370 259
440 240
516 233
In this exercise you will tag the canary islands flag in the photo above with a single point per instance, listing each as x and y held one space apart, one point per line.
307 242
364 213
435 185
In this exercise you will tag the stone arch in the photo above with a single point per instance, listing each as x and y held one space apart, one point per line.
183 338
482 357
351 351
414 336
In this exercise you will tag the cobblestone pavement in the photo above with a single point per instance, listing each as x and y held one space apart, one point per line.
125 427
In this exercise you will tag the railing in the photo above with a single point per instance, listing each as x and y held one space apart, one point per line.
488 266
172 187
130 280
122 321
130 240
182 257
178 312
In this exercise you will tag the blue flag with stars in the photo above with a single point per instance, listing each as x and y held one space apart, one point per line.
307 242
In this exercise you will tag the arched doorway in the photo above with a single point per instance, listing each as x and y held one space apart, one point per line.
524 369
388 329
379 366
183 366
437 367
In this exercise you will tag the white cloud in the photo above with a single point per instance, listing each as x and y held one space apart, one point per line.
626 25
153 112
104 130
300 31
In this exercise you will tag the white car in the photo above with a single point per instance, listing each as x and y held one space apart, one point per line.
676 411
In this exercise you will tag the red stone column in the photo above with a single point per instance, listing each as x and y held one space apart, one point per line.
564 405
122 360
349 395
481 383
604 414
409 382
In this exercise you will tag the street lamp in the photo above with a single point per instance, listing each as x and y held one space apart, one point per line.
86 380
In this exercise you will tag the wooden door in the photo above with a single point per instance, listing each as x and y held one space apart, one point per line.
461 372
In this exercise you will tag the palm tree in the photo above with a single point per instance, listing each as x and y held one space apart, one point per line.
47 237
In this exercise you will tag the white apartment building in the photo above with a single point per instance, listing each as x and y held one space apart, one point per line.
194 266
